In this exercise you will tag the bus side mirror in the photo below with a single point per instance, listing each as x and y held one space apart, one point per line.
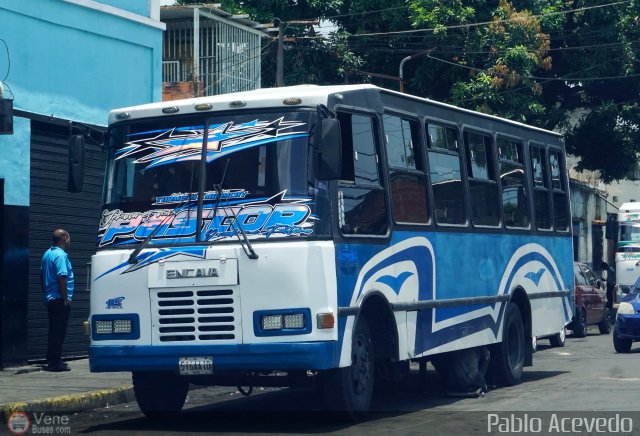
76 163
329 150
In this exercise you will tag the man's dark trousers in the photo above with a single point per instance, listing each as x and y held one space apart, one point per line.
58 318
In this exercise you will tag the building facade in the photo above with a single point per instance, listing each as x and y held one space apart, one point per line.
66 64
207 51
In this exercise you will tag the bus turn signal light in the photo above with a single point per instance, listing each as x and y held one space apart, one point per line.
326 320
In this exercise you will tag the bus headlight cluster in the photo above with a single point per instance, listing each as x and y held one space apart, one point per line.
121 326
282 322
116 326
278 322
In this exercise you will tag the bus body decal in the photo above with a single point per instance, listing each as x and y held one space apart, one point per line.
147 258
406 272
275 217
185 144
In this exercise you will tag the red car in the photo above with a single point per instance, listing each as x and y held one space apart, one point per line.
590 303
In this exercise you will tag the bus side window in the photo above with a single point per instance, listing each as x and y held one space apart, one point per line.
483 187
560 197
407 180
446 175
361 199
541 204
515 198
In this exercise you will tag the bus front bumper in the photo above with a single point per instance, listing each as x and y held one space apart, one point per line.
280 356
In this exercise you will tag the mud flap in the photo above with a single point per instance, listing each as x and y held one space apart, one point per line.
528 354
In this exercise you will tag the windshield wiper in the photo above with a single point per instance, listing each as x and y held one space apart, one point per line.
133 257
248 250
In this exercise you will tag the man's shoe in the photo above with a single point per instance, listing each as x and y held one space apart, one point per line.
58 367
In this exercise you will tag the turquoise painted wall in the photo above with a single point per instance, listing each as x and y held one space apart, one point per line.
140 7
14 163
72 62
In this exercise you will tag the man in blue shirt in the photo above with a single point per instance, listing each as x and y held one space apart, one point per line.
57 286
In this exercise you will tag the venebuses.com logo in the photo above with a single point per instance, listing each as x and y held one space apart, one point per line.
20 423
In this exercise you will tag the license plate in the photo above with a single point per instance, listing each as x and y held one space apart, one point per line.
195 365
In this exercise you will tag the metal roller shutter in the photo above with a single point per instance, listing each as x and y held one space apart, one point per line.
51 206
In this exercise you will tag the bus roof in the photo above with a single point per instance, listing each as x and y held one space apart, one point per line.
310 96
630 207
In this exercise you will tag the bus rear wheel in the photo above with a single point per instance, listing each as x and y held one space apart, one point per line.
349 390
159 394
507 357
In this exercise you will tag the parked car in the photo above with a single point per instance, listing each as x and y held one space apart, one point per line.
627 328
590 303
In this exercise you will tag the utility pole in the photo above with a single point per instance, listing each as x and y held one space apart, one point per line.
282 25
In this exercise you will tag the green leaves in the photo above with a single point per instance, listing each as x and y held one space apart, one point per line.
539 62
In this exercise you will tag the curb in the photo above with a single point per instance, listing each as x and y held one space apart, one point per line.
72 403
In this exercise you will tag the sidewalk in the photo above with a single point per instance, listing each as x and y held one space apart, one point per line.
31 388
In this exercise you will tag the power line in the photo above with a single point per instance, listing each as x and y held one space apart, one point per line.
365 12
457 49
8 59
483 23
508 91
549 79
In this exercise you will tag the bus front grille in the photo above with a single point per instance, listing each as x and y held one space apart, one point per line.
194 315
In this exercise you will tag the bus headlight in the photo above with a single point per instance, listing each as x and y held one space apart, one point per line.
272 322
294 321
104 327
626 309
122 326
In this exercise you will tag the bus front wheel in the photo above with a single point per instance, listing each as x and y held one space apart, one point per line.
349 390
159 394
507 357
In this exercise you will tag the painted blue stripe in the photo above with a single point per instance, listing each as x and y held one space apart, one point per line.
282 356
467 265
426 339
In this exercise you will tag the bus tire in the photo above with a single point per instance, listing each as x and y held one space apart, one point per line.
507 357
348 391
160 395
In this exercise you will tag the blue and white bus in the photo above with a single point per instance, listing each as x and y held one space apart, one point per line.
325 233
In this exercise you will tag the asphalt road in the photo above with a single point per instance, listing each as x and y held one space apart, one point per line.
581 385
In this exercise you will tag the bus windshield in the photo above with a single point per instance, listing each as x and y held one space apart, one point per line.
629 236
154 175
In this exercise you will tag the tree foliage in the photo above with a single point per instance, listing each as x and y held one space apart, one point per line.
557 64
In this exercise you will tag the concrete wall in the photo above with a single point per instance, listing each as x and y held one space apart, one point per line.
623 191
588 210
